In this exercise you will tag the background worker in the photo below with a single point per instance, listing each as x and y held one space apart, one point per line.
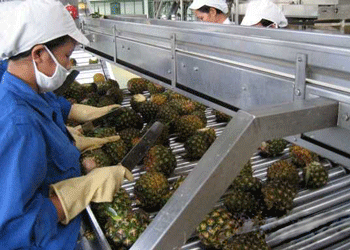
264 13
43 192
213 11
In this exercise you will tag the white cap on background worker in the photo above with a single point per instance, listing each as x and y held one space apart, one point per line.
217 4
258 10
213 11
37 23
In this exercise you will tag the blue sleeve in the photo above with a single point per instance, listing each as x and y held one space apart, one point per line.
28 219
65 107
3 67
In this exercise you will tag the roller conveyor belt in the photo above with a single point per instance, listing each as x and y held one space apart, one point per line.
320 218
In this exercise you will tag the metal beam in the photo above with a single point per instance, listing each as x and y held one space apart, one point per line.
175 223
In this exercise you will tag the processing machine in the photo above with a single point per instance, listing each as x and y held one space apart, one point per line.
275 83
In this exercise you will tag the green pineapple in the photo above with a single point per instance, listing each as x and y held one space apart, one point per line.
284 171
249 241
168 115
137 85
102 132
160 159
208 133
75 91
126 118
272 148
221 117
73 62
201 115
183 106
187 125
154 88
116 94
315 175
91 99
173 95
302 156
150 189
148 110
128 134
121 204
95 158
105 101
200 106
116 150
278 197
136 101
217 227
241 203
124 231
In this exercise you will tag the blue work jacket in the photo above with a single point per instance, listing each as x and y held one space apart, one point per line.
3 67
35 152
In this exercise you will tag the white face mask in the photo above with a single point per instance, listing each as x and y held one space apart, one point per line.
47 83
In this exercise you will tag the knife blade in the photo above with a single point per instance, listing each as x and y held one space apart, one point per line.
69 80
95 123
136 154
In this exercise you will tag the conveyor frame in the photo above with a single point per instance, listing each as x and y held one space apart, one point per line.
298 82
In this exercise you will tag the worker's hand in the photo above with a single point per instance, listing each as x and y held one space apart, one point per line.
83 113
87 143
75 130
98 186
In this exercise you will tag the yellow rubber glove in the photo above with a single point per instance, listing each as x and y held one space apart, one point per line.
83 113
86 143
98 186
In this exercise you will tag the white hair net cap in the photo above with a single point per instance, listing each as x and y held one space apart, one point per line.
263 9
217 4
25 24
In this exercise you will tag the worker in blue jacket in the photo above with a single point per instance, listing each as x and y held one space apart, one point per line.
42 190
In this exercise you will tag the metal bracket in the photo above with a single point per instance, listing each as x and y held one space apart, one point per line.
344 116
223 162
300 77
173 58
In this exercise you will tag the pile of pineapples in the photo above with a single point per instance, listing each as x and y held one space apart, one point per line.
248 198
251 200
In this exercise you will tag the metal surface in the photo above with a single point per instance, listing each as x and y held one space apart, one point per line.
223 161
147 141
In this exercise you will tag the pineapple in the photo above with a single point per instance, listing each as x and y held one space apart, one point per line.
136 101
201 115
127 118
302 156
73 62
150 189
172 189
128 134
99 78
137 85
221 117
183 106
196 146
105 101
208 133
124 231
159 99
121 204
217 227
116 150
168 115
249 241
199 106
173 95
315 175
95 158
241 203
278 197
163 139
75 91
102 132
117 94
284 171
91 99
154 88
187 125
272 148
160 159
148 110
